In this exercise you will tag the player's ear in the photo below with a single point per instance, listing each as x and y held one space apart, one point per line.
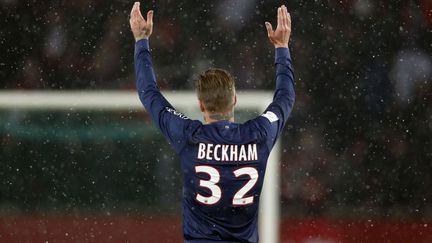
201 105
235 100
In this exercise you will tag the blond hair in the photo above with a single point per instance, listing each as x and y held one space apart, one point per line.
216 89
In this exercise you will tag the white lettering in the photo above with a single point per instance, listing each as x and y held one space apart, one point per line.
252 152
242 156
225 153
209 151
179 114
233 154
201 151
215 152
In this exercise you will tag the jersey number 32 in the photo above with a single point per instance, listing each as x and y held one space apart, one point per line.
239 198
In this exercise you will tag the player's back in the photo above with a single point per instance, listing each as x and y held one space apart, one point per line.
223 163
223 166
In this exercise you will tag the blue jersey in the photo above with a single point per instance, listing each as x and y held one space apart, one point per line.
223 163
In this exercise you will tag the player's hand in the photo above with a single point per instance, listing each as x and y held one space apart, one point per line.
280 37
141 28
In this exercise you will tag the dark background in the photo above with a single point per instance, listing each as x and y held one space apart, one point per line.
358 144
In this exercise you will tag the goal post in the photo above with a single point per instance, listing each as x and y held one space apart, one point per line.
184 101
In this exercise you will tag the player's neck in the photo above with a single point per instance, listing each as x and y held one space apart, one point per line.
210 118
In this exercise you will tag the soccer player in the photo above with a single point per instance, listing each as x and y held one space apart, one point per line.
223 162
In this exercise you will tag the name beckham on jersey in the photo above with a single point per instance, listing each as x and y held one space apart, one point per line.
223 152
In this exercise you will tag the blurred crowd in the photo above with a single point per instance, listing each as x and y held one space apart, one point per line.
361 133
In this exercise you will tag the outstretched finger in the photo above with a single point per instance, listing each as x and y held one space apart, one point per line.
150 17
279 18
285 16
289 20
136 13
269 28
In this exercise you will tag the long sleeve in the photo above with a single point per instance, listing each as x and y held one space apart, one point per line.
148 90
171 123
284 96
279 110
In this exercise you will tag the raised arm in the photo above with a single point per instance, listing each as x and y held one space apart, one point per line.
147 88
167 119
279 110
